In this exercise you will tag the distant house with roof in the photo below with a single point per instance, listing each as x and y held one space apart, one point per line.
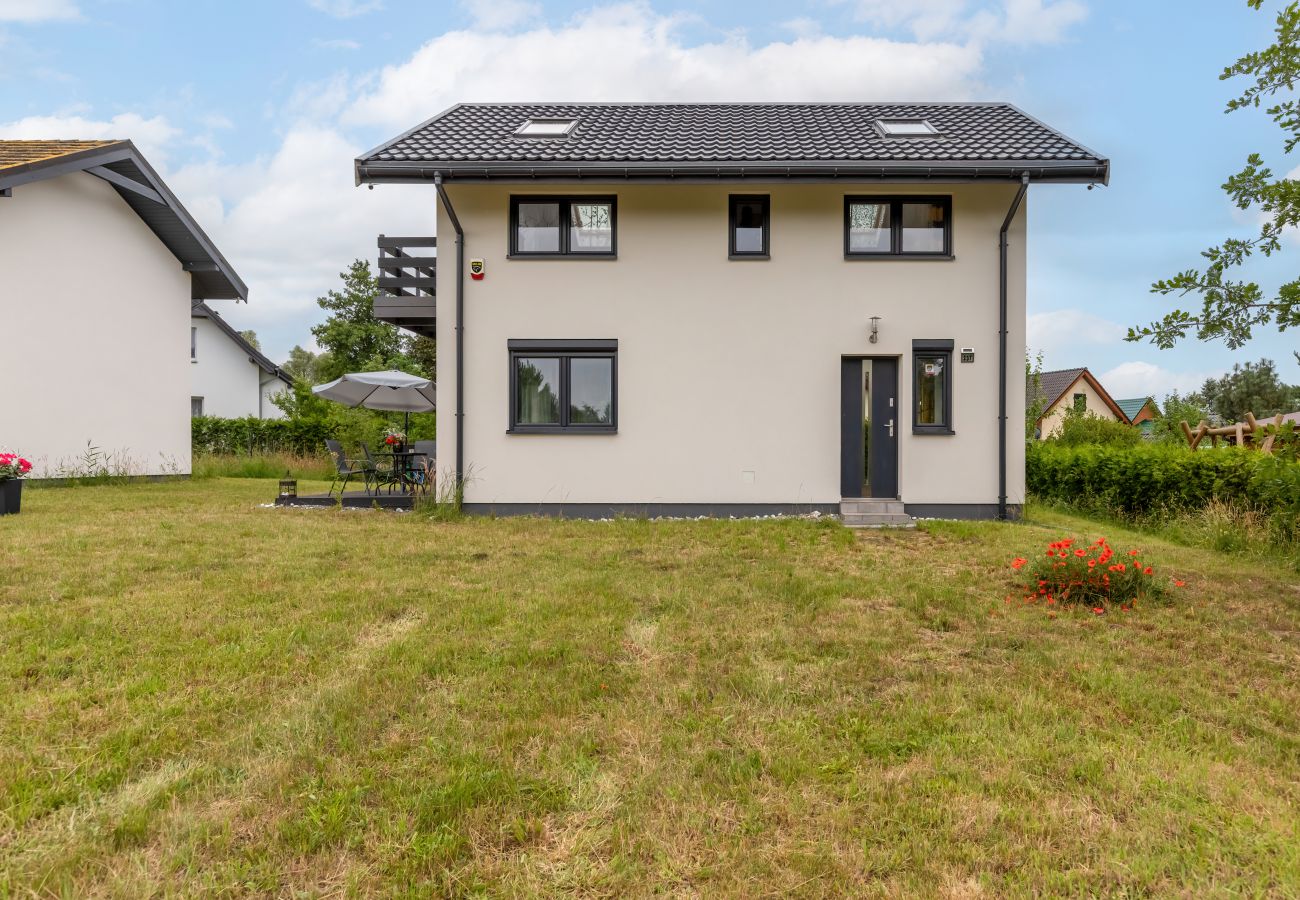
229 377
1061 390
100 265
1141 411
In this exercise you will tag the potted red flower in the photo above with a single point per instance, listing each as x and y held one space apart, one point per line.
12 469
395 439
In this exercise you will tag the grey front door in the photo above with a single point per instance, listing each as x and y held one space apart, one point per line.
869 427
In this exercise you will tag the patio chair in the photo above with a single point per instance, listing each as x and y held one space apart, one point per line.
347 469
383 474
426 463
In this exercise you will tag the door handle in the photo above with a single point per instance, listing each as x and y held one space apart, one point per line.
890 426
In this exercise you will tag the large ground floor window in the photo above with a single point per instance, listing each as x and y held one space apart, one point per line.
568 386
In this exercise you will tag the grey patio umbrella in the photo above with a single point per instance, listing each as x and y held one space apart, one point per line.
390 391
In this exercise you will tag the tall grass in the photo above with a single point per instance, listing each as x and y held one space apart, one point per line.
262 465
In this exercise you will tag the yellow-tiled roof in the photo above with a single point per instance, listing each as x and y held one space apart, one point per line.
20 153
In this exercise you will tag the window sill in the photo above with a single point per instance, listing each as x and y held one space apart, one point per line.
559 429
898 257
923 429
606 256
744 256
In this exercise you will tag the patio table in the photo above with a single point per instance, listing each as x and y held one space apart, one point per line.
403 470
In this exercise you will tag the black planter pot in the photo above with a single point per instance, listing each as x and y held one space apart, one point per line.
11 497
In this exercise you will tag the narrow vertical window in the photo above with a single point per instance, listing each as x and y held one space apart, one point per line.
749 223
196 406
194 343
932 386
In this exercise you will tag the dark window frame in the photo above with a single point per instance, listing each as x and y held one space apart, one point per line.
193 401
732 201
940 348
896 250
1080 402
565 202
565 351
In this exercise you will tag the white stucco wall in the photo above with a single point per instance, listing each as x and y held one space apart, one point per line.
231 385
93 352
730 367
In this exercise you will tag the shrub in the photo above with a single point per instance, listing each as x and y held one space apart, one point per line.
1079 426
251 435
1095 576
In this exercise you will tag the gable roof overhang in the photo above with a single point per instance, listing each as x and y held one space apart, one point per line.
255 356
123 166
732 142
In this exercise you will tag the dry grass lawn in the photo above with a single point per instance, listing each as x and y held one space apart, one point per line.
198 695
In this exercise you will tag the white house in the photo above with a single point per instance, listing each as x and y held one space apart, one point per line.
726 308
99 267
229 377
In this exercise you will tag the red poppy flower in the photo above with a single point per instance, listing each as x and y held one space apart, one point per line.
1180 583
1080 552
1147 571
1092 563
1097 610
1132 553
1018 562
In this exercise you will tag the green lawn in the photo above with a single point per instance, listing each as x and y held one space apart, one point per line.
199 695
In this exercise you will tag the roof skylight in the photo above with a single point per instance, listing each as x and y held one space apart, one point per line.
546 128
906 127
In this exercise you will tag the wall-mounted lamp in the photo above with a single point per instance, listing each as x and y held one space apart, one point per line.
875 329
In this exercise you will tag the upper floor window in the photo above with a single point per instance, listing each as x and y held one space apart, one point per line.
897 226
1081 402
194 343
562 226
748 223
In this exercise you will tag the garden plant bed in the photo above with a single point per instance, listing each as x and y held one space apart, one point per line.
203 695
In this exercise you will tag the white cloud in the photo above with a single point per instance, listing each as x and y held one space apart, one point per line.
151 135
337 44
1144 379
639 55
1009 21
345 9
38 10
289 222
494 15
1063 336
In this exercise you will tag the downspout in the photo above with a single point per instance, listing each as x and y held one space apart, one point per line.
1002 345
460 338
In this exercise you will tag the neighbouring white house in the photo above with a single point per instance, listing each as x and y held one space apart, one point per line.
92 349
1065 389
229 377
725 308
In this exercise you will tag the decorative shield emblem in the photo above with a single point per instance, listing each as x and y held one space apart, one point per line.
476 269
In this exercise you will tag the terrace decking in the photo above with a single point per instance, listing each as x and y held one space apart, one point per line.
351 500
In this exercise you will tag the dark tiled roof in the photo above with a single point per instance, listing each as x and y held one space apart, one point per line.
702 134
19 153
1051 386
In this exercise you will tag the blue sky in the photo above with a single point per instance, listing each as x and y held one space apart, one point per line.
254 111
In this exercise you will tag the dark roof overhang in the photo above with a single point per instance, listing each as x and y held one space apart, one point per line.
136 182
255 356
1093 171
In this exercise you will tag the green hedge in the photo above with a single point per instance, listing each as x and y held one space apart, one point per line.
1155 479
251 435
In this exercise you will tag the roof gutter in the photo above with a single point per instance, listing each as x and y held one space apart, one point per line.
412 172
1002 344
459 488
